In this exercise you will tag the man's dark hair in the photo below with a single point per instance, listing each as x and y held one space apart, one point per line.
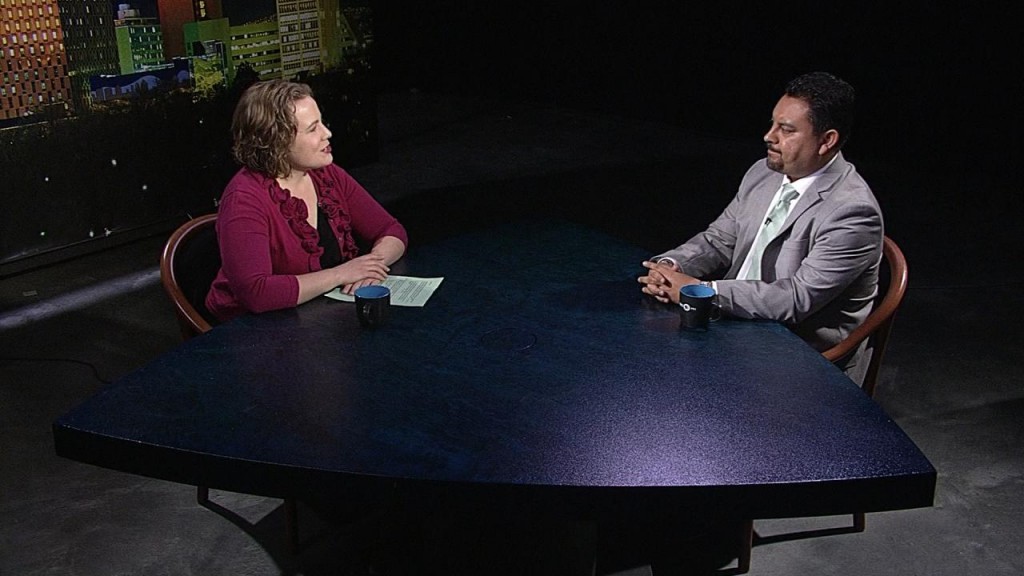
830 100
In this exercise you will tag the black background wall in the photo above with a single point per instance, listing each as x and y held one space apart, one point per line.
938 88
937 134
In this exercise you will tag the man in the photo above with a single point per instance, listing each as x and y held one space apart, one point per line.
801 242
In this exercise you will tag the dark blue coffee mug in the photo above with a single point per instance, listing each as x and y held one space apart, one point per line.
695 305
372 305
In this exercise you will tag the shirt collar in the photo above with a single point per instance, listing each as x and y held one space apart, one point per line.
805 183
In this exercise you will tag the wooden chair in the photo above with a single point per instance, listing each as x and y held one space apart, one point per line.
878 325
875 329
188 265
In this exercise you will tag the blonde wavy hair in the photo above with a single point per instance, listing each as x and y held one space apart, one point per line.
263 126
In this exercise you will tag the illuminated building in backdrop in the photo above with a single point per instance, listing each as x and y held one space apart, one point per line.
33 66
89 43
298 23
139 40
258 45
174 14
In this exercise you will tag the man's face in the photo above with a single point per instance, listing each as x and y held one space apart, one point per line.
794 149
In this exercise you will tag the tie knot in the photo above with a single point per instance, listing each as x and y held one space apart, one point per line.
789 192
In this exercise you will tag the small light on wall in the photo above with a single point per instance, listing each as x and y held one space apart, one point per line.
113 162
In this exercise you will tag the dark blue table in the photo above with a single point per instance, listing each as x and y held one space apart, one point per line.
537 366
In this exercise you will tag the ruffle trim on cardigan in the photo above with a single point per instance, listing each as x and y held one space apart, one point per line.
296 213
336 211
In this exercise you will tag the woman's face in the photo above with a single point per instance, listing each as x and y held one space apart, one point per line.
311 147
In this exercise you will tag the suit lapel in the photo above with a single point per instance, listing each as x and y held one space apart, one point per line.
821 188
764 193
818 191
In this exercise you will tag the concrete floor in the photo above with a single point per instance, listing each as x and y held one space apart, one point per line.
950 378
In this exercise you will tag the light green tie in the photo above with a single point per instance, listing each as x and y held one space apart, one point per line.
771 227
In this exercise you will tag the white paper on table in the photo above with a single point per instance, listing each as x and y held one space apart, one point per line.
405 290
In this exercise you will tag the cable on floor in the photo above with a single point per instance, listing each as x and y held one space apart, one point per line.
92 367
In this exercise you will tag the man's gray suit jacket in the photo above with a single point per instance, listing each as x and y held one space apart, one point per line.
819 275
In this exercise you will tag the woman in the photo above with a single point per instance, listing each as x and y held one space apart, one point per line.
291 222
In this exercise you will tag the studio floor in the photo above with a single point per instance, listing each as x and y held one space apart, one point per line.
66 329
